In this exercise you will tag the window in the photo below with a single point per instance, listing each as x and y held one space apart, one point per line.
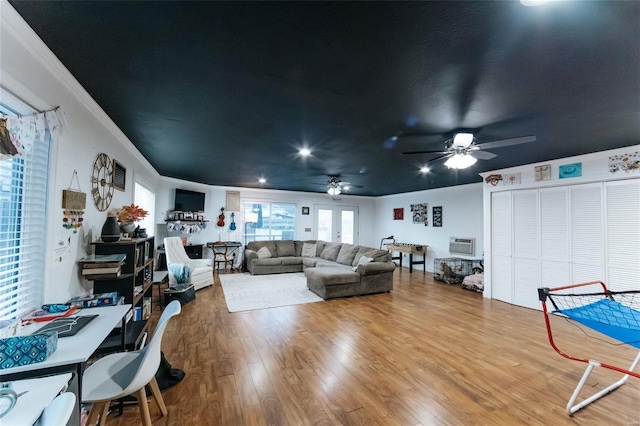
23 213
145 199
263 221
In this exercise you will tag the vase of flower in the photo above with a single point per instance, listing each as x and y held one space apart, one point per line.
127 227
110 230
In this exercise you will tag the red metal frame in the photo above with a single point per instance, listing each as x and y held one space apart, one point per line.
553 345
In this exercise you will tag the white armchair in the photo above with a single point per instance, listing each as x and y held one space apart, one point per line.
201 269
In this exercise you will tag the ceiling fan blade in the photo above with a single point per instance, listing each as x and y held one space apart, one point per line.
424 152
483 155
506 142
350 184
433 160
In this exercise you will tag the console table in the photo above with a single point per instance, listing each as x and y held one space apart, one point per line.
411 249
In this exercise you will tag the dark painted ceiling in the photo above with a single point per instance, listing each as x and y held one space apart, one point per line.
225 92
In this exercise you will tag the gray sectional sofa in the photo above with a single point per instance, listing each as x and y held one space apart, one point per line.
332 269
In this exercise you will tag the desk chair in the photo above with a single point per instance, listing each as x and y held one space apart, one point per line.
221 255
201 270
59 411
127 373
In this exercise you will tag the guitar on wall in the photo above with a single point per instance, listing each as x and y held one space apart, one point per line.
232 226
221 217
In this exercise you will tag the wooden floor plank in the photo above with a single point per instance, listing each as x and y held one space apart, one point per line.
426 353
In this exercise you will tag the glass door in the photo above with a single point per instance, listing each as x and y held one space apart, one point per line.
337 223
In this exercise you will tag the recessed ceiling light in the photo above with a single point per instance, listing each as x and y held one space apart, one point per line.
305 152
262 180
424 169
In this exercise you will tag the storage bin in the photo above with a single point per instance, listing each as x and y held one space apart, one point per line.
23 350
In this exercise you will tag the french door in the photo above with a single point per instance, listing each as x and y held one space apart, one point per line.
336 223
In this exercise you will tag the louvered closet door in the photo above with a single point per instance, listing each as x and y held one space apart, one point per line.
587 233
501 282
623 234
554 237
526 271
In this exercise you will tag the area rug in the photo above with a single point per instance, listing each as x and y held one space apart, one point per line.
249 292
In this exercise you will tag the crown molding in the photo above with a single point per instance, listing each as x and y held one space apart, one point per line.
13 23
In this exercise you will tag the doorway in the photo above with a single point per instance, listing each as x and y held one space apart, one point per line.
336 223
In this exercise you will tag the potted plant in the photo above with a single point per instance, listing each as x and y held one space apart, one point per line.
128 215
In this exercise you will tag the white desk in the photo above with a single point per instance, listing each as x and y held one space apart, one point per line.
40 393
74 350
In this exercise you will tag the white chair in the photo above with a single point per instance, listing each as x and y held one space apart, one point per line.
59 411
126 373
201 269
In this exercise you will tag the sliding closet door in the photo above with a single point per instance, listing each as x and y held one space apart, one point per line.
623 234
526 270
554 237
587 233
501 236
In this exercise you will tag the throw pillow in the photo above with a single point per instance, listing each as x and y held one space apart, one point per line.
286 248
346 254
308 250
362 261
330 251
264 253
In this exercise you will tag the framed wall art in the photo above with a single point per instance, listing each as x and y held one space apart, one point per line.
419 213
543 172
437 216
119 176
398 214
570 170
305 210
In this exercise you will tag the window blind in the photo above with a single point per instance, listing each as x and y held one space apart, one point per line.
145 199
23 199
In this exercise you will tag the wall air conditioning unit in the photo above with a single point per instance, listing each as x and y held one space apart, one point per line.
464 246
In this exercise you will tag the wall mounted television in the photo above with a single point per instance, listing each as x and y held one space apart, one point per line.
189 201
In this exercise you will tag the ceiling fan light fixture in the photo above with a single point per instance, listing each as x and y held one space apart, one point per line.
424 169
462 139
334 191
304 152
460 161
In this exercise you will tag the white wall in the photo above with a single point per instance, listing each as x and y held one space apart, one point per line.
461 217
216 198
33 73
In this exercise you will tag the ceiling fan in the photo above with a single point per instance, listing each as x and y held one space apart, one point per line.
335 186
462 151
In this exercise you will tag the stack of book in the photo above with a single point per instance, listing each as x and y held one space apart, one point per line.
102 266
96 300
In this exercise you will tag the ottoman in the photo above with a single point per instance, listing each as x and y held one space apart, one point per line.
330 282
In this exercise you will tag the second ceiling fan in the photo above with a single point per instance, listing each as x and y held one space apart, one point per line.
461 150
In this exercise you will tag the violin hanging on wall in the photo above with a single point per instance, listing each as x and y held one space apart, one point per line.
232 226
221 217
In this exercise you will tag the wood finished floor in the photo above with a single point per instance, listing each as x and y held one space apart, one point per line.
426 353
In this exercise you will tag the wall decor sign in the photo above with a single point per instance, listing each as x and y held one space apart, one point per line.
493 180
119 176
305 210
511 179
419 212
570 170
398 214
543 172
437 216
625 162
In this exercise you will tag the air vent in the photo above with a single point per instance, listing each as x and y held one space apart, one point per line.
462 246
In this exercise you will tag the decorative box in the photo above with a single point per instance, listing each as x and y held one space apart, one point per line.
23 350
96 300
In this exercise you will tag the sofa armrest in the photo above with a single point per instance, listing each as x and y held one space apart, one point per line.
374 268
250 255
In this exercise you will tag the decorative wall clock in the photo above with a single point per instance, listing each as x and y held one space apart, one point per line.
102 182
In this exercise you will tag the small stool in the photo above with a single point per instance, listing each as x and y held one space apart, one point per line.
159 279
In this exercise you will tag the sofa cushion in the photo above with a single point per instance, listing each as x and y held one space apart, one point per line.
319 247
376 254
257 245
330 251
285 248
310 262
362 261
346 254
272 261
332 275
308 250
291 260
264 253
